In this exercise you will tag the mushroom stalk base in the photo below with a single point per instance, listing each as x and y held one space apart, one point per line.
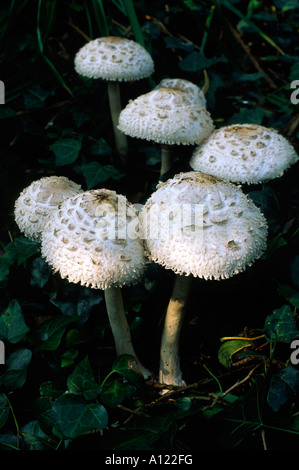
115 109
120 328
170 371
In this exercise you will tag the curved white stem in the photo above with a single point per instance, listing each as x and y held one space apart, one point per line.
120 328
170 371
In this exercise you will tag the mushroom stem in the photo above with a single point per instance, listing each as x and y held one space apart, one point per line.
120 328
166 158
115 109
170 370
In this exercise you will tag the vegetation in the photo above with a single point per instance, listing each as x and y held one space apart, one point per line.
61 385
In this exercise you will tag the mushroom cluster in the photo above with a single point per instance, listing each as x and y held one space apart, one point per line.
226 235
86 237
244 153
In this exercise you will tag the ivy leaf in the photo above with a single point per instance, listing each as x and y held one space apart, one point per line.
4 409
82 381
74 416
95 173
40 272
196 61
66 150
124 365
115 391
280 325
51 332
15 374
12 323
284 384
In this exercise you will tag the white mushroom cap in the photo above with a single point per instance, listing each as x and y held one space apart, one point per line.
36 203
244 153
114 58
87 241
224 234
194 92
166 116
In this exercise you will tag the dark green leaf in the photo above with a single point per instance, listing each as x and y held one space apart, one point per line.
74 417
124 365
35 437
40 272
12 323
51 332
95 173
82 381
25 248
284 385
15 374
100 147
177 43
247 116
280 325
115 391
66 150
195 61
4 409
34 97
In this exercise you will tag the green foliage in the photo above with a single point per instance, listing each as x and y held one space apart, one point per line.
61 386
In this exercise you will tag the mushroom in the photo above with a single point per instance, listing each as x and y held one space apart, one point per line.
244 153
114 59
198 225
37 202
193 91
166 116
88 241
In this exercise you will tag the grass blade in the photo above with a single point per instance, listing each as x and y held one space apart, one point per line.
130 10
100 17
252 25
40 43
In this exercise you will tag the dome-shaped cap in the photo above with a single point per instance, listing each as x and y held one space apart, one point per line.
166 116
244 153
36 203
216 233
194 92
88 241
114 58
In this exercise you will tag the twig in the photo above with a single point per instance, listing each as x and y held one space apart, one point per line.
252 59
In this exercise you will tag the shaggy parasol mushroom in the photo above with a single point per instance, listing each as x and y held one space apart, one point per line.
193 91
244 153
166 116
87 242
227 234
114 59
37 202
